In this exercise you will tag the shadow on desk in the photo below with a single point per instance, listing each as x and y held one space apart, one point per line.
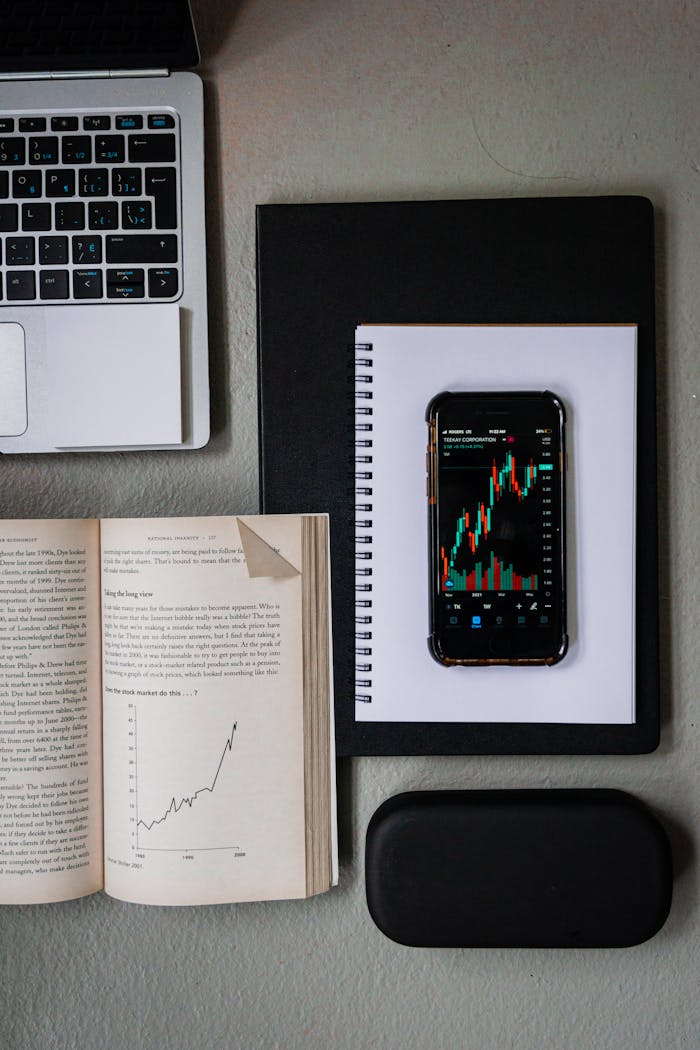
214 21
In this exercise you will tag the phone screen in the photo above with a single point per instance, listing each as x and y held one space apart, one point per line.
497 515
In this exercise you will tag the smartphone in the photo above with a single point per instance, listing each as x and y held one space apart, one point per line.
496 507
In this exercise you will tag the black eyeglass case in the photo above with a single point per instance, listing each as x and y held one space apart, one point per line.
517 869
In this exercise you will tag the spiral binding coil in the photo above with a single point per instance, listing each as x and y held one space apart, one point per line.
363 522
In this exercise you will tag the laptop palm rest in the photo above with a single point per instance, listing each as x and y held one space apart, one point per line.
13 382
114 375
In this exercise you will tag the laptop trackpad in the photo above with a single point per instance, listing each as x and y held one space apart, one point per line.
13 386
114 375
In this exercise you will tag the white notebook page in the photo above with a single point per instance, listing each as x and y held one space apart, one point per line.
593 370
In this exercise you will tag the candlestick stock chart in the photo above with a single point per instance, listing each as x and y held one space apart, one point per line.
494 524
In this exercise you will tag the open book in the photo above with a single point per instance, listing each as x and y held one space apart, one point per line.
165 709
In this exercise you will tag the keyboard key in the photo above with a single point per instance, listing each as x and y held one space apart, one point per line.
162 283
21 284
87 250
53 251
53 284
125 284
19 251
109 149
126 182
8 218
129 123
26 183
76 150
125 291
4 184
87 284
125 276
136 215
36 216
160 183
160 120
93 182
7 124
32 124
151 149
70 216
141 248
102 216
11 152
97 123
43 150
60 183
64 123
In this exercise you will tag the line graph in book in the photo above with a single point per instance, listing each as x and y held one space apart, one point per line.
184 782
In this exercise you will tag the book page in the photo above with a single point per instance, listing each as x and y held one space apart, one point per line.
203 719
50 738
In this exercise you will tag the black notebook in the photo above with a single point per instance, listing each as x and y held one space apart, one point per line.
325 269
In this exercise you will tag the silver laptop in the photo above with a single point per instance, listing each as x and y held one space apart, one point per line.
103 323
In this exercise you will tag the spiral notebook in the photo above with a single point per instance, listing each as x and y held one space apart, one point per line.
397 679
526 261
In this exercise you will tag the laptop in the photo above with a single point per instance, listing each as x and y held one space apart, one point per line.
103 312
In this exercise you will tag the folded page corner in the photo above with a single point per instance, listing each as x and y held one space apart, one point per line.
262 559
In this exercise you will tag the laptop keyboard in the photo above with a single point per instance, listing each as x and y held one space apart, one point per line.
89 207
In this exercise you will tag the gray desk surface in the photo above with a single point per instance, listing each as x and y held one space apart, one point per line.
318 100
